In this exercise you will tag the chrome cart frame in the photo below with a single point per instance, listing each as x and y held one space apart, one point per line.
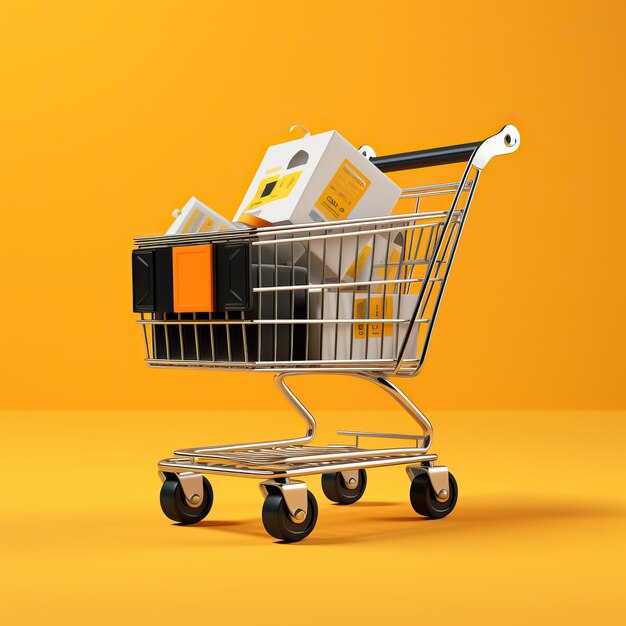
359 298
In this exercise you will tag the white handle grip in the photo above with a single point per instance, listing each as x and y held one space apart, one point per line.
504 142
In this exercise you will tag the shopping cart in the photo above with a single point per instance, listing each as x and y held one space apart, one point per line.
358 298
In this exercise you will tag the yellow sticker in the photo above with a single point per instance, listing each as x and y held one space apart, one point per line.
376 311
207 226
393 266
378 272
342 193
360 263
274 188
190 220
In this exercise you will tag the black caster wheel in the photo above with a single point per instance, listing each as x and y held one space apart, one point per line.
424 501
336 490
176 507
279 523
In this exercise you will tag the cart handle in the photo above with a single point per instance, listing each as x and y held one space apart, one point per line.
480 152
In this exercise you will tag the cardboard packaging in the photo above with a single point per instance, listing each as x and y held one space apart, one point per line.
196 217
358 259
360 341
317 178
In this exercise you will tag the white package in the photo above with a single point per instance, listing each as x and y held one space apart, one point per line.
359 259
196 217
317 178
347 341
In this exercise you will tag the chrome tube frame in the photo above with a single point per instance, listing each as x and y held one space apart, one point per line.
291 457
429 243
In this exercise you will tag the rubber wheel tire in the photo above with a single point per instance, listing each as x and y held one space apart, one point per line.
278 522
424 501
335 488
176 507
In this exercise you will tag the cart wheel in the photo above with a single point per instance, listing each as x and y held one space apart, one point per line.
176 507
336 490
279 523
425 502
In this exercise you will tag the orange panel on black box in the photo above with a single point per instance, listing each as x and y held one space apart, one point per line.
193 278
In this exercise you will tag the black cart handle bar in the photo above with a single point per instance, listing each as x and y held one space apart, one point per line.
507 140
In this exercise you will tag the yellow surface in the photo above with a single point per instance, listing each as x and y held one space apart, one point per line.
537 536
113 113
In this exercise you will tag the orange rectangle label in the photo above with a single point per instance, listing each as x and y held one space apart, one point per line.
193 278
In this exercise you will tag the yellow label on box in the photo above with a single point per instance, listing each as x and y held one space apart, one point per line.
393 270
207 226
274 188
376 311
360 262
342 193
190 220
378 272
394 260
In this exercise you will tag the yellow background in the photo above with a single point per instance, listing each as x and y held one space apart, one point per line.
114 113
535 539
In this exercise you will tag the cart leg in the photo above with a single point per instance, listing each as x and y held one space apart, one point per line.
406 404
291 397
380 381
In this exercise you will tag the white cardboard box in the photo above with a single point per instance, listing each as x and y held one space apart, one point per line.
317 178
358 259
348 341
196 217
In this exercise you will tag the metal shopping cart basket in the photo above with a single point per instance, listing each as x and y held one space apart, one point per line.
357 298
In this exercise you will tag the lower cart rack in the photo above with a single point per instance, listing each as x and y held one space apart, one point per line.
293 461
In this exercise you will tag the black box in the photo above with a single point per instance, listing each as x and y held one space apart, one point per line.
231 276
249 342
152 280
273 342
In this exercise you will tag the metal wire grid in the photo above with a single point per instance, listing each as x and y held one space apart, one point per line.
320 302
284 458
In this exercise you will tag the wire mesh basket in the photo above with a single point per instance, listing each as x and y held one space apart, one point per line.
353 295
